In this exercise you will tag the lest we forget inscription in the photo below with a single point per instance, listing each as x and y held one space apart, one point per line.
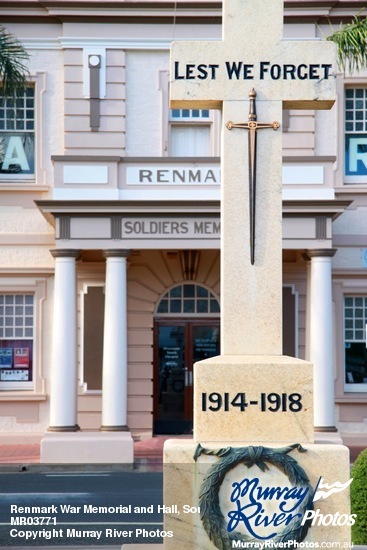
264 70
252 472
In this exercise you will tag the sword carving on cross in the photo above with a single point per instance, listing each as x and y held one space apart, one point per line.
252 126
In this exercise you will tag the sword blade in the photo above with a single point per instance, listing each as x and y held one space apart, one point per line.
252 190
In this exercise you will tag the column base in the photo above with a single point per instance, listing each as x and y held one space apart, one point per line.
87 448
74 428
114 429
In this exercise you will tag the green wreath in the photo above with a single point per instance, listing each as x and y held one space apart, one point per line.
210 513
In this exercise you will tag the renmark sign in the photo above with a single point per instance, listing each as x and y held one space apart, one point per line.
172 175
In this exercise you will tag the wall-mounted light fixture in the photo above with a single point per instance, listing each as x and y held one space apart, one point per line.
94 64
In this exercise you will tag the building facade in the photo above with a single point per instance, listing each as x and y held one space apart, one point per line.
110 225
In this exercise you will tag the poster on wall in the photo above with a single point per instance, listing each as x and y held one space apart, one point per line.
6 358
14 375
21 357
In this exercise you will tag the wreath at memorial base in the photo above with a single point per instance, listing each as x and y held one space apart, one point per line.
210 512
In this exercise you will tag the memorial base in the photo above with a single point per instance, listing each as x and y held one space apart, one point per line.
189 472
87 448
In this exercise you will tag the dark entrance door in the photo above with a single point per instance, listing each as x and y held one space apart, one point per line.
178 344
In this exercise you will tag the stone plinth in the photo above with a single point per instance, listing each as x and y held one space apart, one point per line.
261 398
183 477
87 448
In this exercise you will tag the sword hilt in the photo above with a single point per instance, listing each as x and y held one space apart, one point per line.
252 116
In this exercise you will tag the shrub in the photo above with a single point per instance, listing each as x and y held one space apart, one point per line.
358 494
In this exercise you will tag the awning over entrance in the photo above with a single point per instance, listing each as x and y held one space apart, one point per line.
177 224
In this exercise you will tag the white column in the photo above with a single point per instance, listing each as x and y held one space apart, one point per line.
114 381
63 394
308 300
321 338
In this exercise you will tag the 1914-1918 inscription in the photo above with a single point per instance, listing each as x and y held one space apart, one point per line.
272 402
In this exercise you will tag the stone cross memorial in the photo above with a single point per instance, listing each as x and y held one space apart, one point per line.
252 473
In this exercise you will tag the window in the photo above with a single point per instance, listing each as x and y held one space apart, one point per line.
190 114
16 341
355 320
190 132
93 326
356 135
188 299
17 135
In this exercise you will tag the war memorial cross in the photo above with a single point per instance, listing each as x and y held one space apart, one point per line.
285 74
251 399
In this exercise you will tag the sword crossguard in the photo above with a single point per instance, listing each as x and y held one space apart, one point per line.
252 125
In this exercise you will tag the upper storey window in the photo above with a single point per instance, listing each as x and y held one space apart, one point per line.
190 131
190 114
17 135
356 135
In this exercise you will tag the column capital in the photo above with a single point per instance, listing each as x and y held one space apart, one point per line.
65 253
116 253
319 253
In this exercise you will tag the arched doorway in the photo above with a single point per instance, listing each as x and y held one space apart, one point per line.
186 330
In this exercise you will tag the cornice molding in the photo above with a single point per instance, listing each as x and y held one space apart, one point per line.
41 43
108 43
129 206
117 43
166 12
